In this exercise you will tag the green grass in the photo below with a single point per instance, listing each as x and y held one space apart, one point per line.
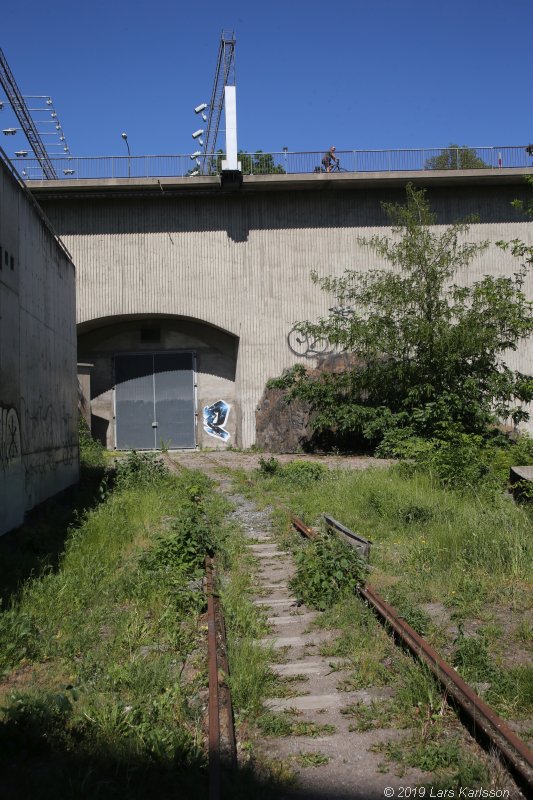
102 659
468 554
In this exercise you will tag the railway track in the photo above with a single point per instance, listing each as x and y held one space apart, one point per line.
485 724
221 738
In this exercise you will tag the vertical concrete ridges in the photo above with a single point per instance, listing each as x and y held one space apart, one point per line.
243 263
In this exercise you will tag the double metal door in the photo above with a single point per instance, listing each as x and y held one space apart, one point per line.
154 401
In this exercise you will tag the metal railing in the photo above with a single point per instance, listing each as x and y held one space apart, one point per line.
293 163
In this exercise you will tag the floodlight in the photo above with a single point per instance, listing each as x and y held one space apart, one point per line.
196 154
53 114
200 108
204 117
198 161
9 131
201 142
124 135
21 153
1 105
68 172
49 101
197 133
194 174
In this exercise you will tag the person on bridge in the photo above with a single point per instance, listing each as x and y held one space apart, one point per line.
329 158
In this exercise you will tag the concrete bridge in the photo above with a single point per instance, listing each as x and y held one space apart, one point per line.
187 294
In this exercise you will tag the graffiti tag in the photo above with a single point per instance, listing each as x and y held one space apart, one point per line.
215 418
9 437
301 344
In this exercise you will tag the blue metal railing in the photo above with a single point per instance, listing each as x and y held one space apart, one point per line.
290 163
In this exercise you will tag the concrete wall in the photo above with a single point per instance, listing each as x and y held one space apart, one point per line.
242 262
38 399
216 360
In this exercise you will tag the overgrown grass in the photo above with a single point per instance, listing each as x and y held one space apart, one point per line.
102 660
448 560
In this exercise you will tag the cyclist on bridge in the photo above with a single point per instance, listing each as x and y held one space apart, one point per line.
329 158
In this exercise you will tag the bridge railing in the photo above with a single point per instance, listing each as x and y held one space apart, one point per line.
290 163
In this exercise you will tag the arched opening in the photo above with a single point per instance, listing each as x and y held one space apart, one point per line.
153 382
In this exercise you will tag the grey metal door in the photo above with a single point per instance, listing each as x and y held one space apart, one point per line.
154 401
174 400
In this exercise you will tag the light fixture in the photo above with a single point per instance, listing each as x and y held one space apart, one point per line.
196 154
9 131
197 133
201 142
49 101
68 172
204 117
198 161
194 174
1 105
58 127
53 114
200 108
21 153
61 138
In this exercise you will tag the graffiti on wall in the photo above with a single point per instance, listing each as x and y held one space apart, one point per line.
9 437
215 418
306 345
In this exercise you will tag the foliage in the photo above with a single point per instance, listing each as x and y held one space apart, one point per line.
456 157
259 163
298 473
140 469
429 352
461 461
91 451
104 638
325 569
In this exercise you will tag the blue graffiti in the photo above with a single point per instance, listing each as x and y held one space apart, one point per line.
215 418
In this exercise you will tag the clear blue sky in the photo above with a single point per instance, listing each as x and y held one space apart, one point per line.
383 74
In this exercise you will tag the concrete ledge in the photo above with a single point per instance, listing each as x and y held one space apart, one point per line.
261 183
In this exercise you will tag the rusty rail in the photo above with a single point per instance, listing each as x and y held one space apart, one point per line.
513 750
222 746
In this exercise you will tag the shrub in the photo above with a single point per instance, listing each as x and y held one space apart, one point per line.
326 568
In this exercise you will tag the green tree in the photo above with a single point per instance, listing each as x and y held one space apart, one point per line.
429 352
456 157
259 163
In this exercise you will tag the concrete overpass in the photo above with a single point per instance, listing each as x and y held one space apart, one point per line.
216 279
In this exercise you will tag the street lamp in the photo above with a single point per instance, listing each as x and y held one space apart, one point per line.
125 137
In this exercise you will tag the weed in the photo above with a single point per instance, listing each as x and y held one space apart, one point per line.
312 759
325 570
284 724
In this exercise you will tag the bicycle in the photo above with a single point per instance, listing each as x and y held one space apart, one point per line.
336 167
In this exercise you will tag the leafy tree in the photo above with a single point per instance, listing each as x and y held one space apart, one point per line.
456 157
259 163
428 353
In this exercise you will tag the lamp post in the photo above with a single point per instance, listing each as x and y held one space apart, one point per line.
125 137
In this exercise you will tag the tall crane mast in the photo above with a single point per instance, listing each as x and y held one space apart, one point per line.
24 117
224 76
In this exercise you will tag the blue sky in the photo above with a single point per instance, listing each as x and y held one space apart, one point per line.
359 75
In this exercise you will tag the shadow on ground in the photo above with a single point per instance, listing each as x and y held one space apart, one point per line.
36 546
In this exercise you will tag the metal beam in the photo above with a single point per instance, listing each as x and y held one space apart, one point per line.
224 76
24 117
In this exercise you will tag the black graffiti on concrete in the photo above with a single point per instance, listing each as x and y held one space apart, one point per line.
9 437
303 344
